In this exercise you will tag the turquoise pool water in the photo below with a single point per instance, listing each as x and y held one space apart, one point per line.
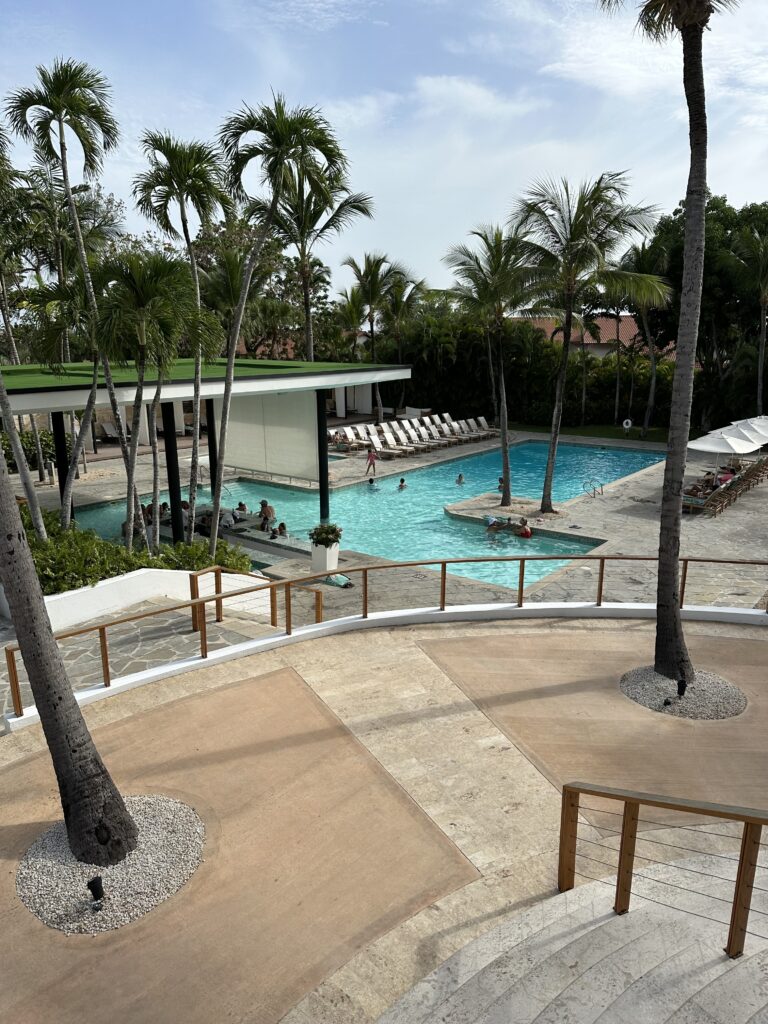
411 524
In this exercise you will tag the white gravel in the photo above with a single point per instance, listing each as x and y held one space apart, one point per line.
52 884
709 696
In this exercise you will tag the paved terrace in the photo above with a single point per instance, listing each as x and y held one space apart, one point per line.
443 744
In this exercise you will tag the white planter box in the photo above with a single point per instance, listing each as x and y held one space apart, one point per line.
325 559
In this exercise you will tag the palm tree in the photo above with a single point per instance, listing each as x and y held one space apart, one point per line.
494 281
99 828
281 141
401 304
750 252
69 95
148 302
307 215
572 235
374 277
186 175
661 19
647 259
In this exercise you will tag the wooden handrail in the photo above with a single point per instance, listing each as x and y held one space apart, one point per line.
752 819
197 605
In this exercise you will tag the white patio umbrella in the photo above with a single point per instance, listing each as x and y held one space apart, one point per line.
757 424
723 444
743 431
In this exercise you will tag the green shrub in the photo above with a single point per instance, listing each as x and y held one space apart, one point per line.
30 448
325 534
80 558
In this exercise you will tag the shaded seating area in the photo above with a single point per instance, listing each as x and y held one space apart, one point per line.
714 492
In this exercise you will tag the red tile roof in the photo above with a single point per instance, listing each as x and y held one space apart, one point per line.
606 330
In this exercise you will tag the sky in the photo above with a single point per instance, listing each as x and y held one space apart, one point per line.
447 109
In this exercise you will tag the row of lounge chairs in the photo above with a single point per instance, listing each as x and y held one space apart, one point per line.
404 437
718 499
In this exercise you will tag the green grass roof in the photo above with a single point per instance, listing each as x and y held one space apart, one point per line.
31 377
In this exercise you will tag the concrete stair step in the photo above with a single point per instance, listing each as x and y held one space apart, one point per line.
739 996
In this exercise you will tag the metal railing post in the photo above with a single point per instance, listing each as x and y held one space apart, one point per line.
104 655
194 593
365 593
219 601
13 676
626 856
742 896
318 606
521 583
600 581
443 581
683 581
288 615
569 822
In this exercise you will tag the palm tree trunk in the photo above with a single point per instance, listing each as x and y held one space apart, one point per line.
761 360
376 391
506 475
22 467
109 381
155 464
617 398
38 448
557 412
671 656
195 458
652 385
77 447
99 828
234 335
133 449
583 380
492 378
309 339
7 321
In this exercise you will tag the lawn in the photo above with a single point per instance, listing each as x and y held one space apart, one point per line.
657 434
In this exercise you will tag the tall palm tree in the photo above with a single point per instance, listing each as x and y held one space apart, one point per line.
572 235
349 313
494 280
69 96
99 828
279 140
148 302
401 304
307 215
643 258
374 277
187 176
662 19
750 252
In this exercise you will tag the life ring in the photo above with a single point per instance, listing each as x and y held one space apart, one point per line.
627 424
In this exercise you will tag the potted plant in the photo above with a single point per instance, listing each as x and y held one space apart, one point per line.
325 547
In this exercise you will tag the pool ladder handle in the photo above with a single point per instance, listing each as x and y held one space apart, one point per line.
593 487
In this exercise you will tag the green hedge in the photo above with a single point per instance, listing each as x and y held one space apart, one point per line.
80 558
30 448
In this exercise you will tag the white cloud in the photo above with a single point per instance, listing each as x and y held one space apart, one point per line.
319 15
372 110
457 96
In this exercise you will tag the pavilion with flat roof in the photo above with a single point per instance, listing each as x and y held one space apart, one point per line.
277 422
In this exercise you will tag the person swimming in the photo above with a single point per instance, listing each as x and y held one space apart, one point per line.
460 479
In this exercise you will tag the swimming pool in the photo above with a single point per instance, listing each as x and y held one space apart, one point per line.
411 524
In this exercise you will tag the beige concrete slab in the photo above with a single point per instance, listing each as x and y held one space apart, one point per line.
313 852
557 698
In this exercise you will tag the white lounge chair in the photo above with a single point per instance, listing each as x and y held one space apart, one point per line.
464 427
479 430
409 442
484 424
440 435
452 429
419 442
354 442
390 442
385 453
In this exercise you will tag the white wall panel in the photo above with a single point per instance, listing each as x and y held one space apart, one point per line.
273 433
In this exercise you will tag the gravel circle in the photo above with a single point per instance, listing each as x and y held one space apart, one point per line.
709 697
52 884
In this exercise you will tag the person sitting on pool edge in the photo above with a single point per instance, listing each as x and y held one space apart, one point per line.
240 512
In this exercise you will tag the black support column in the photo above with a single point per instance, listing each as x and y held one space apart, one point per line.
172 469
322 457
60 449
213 448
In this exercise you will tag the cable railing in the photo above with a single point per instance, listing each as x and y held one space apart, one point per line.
197 605
752 820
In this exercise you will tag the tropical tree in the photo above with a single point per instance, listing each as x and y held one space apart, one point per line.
307 215
750 253
148 302
662 19
70 96
643 258
184 176
572 234
374 277
494 280
279 141
99 828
